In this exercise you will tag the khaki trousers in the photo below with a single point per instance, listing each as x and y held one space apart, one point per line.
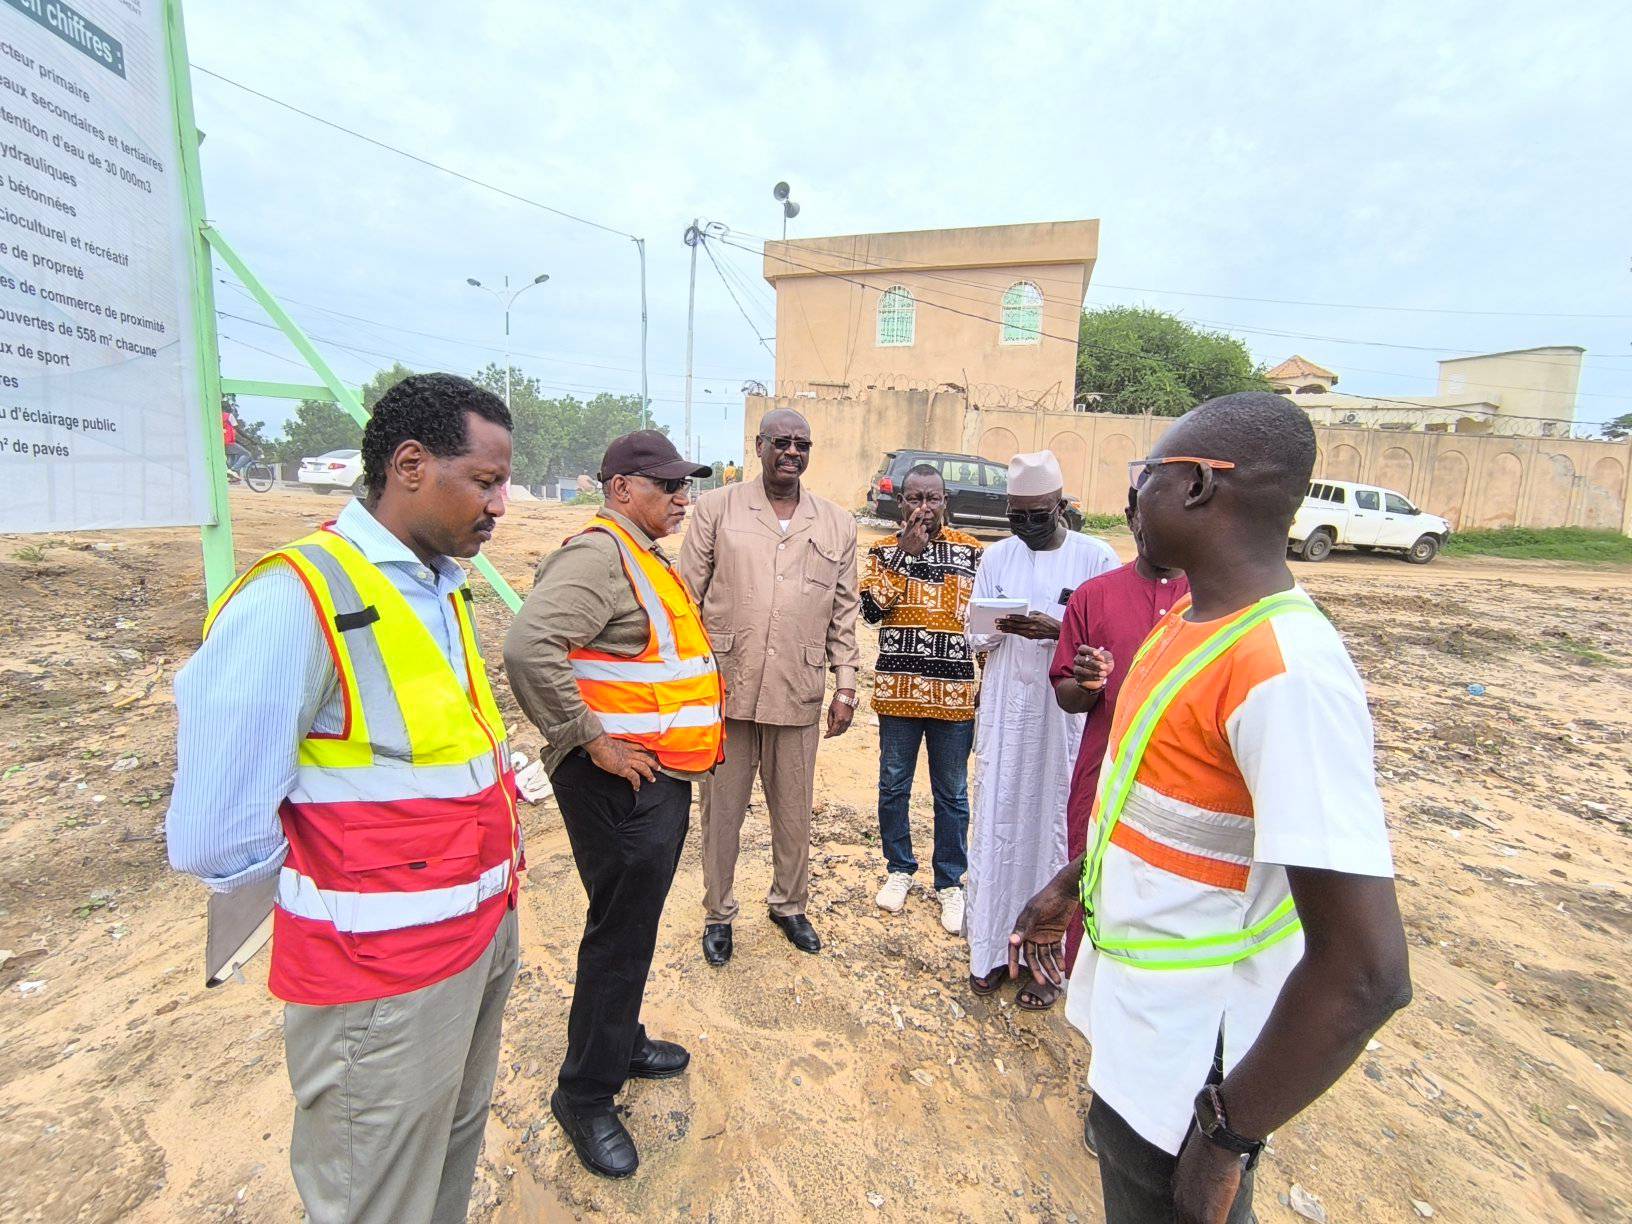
784 758
391 1095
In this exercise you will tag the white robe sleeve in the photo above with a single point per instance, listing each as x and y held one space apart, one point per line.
986 586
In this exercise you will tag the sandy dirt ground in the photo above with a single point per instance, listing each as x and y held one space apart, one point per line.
866 1082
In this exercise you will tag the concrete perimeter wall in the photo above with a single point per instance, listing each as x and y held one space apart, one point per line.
1474 481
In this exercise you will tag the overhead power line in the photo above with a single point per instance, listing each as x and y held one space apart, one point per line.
414 157
1439 310
863 265
265 352
985 298
1398 373
721 273
1174 366
747 293
417 360
470 344
968 314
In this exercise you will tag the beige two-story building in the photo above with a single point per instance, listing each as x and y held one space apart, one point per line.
1525 393
989 310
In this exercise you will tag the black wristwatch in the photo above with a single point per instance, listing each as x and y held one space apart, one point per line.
1214 1126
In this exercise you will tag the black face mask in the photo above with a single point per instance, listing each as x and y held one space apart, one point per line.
1035 528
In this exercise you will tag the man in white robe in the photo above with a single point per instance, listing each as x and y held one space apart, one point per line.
1025 745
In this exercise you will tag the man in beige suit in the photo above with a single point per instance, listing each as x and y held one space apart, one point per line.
773 567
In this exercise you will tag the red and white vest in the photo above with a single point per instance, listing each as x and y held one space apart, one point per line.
404 843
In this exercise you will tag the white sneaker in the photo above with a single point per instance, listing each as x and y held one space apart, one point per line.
951 909
893 896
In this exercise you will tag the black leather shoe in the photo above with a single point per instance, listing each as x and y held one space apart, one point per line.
600 1139
659 1059
799 932
717 943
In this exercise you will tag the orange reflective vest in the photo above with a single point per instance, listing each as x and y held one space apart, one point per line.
404 846
668 697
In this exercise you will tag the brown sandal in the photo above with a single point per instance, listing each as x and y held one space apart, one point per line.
1041 1001
991 983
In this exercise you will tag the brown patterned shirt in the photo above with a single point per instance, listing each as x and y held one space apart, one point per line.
925 668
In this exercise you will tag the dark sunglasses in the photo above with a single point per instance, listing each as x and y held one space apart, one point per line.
782 442
670 486
1023 518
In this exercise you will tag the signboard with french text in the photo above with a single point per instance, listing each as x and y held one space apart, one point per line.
99 363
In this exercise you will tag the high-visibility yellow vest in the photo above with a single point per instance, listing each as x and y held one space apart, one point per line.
668 698
404 844
1116 784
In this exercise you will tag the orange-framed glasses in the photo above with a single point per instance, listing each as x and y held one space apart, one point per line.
1139 469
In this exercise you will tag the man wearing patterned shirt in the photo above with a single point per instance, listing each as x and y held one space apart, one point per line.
916 589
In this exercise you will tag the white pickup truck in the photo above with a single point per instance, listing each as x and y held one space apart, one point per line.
1364 517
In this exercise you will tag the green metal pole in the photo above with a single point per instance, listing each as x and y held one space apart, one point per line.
277 390
216 536
343 395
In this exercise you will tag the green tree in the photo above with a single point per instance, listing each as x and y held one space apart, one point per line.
1619 428
593 425
537 434
556 439
1147 361
318 427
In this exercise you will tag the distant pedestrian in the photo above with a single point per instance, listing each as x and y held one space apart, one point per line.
730 474
1025 745
1105 623
916 590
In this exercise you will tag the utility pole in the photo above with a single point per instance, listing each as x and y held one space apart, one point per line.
694 237
645 399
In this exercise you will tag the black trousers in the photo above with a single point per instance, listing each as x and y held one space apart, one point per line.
1136 1176
627 846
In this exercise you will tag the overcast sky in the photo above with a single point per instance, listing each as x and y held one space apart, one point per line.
1454 156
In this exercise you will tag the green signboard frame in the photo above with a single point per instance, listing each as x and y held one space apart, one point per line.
220 565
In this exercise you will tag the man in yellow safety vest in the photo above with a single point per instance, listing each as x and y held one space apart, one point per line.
610 659
1243 936
339 740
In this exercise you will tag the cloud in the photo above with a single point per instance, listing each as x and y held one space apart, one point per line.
1453 155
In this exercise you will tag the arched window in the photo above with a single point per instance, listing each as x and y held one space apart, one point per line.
896 311
1023 314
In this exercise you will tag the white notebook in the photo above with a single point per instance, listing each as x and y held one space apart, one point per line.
985 613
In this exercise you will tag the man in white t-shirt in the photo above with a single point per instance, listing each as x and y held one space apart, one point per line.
1244 939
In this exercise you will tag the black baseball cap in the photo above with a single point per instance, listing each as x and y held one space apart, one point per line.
646 452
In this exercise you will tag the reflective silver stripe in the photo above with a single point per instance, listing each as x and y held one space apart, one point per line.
657 611
388 781
387 731
656 724
1185 827
642 673
369 913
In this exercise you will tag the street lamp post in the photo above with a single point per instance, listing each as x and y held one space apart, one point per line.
507 299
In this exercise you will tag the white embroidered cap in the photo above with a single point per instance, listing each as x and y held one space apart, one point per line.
1035 473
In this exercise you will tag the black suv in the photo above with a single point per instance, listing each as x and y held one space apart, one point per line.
977 489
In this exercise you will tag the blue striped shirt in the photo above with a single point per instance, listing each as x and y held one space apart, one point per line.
262 680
